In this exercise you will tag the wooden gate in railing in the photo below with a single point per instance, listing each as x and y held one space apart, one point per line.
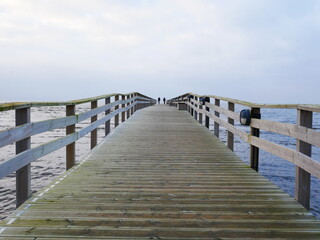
210 107
115 106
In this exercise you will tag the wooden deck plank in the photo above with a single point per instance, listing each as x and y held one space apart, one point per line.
161 175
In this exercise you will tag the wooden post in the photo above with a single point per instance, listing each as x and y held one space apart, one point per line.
230 140
71 148
254 151
135 108
128 104
191 107
94 133
195 111
107 124
123 106
200 114
116 117
132 108
302 190
23 175
217 114
207 120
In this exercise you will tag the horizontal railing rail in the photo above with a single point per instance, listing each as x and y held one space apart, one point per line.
19 105
209 107
25 129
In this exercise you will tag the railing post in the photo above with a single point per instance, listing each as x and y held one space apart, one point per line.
207 120
302 189
23 175
217 114
131 102
94 133
135 108
116 117
254 151
107 124
195 111
230 140
200 114
123 106
71 148
191 107
128 104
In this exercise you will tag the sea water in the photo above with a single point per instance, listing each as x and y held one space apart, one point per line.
45 169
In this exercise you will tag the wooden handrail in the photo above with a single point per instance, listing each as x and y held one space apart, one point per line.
19 105
26 129
306 107
302 132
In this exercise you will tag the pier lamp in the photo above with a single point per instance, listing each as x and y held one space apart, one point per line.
190 96
245 117
203 100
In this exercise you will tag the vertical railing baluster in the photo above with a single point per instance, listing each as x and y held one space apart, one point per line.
217 114
71 148
196 107
192 105
254 151
207 119
135 108
131 102
94 133
302 188
200 113
230 139
128 104
116 117
107 123
23 175
123 106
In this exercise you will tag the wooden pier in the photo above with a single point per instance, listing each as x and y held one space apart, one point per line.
161 175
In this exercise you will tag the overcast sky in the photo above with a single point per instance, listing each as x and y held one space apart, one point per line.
265 51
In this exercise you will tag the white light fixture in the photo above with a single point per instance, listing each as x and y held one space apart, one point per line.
245 117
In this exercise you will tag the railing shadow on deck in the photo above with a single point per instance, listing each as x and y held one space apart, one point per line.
210 107
117 106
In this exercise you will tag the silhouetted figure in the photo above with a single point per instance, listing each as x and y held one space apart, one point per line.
158 100
164 100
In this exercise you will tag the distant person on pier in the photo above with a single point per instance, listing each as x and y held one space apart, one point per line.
164 100
158 100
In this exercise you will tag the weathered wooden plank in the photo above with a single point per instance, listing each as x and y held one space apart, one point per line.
161 175
302 133
16 134
299 159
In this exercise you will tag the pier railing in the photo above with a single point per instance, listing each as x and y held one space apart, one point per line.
221 111
115 106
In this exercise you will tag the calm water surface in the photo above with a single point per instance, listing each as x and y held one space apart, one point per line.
279 171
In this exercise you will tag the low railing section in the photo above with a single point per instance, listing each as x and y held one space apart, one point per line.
206 108
115 106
